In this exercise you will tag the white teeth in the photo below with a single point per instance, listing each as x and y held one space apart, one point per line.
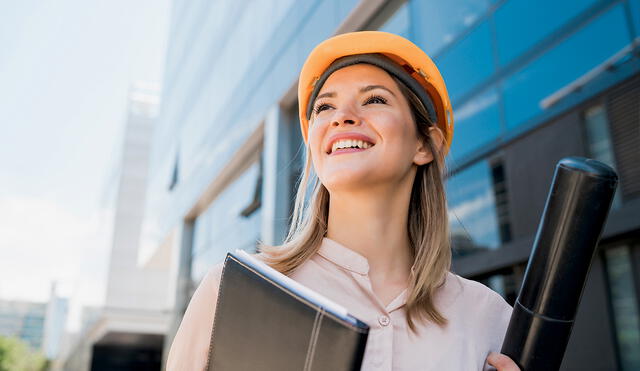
348 143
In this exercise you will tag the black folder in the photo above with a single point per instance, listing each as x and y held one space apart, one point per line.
266 321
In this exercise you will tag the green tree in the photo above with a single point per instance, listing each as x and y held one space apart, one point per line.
15 355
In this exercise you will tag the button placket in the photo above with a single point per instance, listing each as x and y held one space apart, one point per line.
386 343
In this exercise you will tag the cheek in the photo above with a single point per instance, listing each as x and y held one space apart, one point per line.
395 130
315 135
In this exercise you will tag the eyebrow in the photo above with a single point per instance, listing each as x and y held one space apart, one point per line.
373 87
327 94
365 89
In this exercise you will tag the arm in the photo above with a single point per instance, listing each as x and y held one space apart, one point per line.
190 347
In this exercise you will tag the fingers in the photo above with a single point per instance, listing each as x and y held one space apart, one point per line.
502 362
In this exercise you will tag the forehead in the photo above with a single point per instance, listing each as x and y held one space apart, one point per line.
358 75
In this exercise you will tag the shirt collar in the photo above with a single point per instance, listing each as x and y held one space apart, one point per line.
343 256
398 302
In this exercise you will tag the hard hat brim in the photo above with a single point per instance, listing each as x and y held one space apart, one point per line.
386 64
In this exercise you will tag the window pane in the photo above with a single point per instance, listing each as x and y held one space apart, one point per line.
437 23
599 146
599 141
477 123
522 23
472 212
635 12
598 138
625 307
594 44
399 23
468 62
501 194
221 228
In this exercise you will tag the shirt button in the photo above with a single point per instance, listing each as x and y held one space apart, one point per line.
384 320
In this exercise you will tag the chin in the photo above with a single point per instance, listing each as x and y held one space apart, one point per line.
346 178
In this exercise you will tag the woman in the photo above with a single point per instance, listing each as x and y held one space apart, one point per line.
377 124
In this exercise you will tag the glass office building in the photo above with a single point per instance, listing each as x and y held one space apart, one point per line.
24 320
530 83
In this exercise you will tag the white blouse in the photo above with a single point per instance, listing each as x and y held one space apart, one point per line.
477 318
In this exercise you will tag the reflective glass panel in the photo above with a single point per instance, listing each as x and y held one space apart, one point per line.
438 23
587 48
477 123
472 211
221 228
598 138
635 13
520 24
399 22
599 141
468 62
625 307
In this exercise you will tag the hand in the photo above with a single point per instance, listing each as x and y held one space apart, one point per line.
502 362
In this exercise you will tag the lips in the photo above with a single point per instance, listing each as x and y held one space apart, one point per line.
348 136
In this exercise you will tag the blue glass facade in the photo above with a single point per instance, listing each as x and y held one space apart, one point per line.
437 24
222 227
477 123
580 52
399 23
460 75
472 212
538 20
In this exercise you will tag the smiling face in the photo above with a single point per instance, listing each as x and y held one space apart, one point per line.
362 106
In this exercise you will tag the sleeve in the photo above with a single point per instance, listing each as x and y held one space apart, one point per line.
499 315
190 347
502 311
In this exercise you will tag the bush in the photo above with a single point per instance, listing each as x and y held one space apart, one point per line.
15 355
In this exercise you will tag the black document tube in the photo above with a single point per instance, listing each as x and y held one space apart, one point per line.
571 224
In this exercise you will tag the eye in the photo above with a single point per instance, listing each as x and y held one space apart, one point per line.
321 107
375 99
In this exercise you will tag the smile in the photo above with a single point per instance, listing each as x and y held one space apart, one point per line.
349 146
348 143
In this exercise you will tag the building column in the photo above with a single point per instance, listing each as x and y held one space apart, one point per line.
276 185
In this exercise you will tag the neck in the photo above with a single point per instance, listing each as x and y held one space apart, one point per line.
373 223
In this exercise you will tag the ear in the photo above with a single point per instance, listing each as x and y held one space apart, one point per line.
423 155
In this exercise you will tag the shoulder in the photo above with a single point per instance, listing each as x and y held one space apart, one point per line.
211 281
477 316
470 291
479 308
190 346
213 277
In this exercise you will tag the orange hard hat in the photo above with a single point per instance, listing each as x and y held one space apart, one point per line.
397 55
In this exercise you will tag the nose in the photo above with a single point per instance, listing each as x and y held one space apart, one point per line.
345 117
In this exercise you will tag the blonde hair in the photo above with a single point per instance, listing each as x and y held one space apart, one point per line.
427 225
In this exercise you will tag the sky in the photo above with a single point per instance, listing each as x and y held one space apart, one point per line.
65 70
